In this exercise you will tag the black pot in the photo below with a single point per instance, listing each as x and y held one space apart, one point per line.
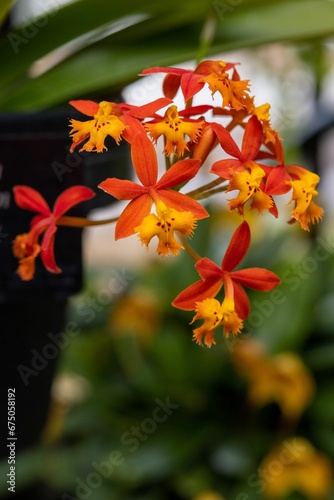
34 150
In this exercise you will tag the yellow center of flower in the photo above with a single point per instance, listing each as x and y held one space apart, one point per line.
163 225
233 92
215 314
175 129
248 182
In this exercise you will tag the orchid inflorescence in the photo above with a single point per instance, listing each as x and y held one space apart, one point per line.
256 171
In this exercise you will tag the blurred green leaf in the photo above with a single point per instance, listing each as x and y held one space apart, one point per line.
105 47
4 9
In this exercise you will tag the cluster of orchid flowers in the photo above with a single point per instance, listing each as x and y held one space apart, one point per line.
189 136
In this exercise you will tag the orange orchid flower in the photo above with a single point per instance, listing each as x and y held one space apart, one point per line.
235 307
109 118
244 172
233 90
175 128
282 178
26 247
175 211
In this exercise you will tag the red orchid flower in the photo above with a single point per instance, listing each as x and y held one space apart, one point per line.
109 118
26 246
213 277
145 163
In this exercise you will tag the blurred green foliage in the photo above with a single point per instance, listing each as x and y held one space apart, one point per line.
209 438
90 51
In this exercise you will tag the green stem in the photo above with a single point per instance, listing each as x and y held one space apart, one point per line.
207 194
188 248
205 187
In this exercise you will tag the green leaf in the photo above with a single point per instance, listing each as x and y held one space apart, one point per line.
4 9
106 46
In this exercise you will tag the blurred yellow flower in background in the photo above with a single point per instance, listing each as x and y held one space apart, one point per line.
208 495
136 314
281 378
296 465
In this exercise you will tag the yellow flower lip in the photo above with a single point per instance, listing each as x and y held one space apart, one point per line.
164 225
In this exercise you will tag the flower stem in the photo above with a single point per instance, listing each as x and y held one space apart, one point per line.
83 222
205 187
188 248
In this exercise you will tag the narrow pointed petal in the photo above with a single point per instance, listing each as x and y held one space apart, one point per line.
237 247
29 199
144 159
196 110
256 278
197 292
122 189
171 85
252 140
133 127
47 251
190 85
132 216
276 183
71 197
89 108
226 141
206 268
180 172
226 168
241 301
183 203
157 69
147 110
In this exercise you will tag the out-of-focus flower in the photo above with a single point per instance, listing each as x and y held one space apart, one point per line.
208 495
295 465
138 314
26 247
282 378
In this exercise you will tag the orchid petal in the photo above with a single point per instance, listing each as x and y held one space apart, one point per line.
171 85
190 85
89 108
226 141
144 159
256 278
146 110
183 203
71 197
132 216
196 110
241 301
276 181
237 247
47 251
157 69
180 172
252 140
197 292
122 189
226 168
30 199
206 268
